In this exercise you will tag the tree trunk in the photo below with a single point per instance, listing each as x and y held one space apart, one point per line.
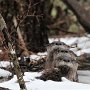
12 54
32 15
81 13
36 29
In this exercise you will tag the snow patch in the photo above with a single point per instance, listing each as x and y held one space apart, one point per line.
4 73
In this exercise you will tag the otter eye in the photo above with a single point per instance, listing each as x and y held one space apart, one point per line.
64 51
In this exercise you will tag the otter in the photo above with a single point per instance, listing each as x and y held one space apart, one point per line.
61 62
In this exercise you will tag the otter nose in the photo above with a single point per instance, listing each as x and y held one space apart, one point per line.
67 59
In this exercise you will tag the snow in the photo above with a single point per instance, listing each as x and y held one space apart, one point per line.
84 76
38 56
42 54
53 39
0 51
35 84
13 51
78 53
5 64
34 57
4 73
83 43
69 40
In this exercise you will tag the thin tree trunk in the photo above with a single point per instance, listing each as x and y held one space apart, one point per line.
21 40
12 54
36 26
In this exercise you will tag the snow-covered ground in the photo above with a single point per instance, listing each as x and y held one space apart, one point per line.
5 64
4 73
84 76
35 84
83 43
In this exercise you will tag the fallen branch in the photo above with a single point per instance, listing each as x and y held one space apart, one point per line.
21 41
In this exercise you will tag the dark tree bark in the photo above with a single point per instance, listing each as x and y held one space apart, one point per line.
81 13
13 57
32 15
36 29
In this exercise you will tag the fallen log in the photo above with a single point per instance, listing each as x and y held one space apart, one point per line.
84 61
32 65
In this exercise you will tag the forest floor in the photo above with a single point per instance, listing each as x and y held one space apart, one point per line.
83 46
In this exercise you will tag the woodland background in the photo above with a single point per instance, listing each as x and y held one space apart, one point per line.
30 23
40 19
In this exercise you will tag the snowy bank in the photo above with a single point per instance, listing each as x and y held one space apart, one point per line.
34 84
